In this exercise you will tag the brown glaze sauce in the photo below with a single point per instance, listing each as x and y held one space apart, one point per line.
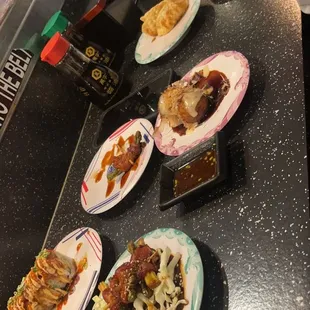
181 130
107 159
126 175
216 79
98 176
78 247
121 141
198 171
81 265
110 188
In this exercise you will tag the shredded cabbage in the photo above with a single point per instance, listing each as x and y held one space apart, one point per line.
164 257
176 303
141 300
172 264
138 304
166 294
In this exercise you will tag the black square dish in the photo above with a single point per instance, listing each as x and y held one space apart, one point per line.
211 152
141 103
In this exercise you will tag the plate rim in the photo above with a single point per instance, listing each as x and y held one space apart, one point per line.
246 75
189 244
179 37
122 192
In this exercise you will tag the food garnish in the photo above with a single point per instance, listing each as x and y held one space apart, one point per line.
151 280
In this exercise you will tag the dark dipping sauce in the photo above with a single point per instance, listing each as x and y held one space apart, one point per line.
221 86
198 171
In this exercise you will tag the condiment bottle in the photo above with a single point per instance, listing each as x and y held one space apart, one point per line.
93 79
59 23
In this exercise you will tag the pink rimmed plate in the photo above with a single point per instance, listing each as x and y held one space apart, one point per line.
236 67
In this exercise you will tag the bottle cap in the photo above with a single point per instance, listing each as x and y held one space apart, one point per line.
57 23
55 49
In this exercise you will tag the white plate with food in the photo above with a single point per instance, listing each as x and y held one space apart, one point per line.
162 270
62 278
117 166
163 27
193 109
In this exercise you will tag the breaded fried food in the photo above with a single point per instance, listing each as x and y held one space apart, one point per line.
149 19
163 17
170 15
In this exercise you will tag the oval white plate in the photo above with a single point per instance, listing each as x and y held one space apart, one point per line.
89 244
148 49
177 241
93 195
236 67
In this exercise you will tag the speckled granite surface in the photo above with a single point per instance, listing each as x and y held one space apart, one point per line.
256 223
34 158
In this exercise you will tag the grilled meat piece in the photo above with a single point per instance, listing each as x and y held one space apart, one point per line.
144 268
141 253
125 161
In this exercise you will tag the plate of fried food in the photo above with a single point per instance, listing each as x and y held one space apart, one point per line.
160 271
193 109
164 25
64 277
117 166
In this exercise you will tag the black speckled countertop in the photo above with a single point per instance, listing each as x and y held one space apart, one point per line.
252 232
31 172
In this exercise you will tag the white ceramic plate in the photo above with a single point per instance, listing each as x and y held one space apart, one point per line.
81 243
236 68
93 195
177 241
148 49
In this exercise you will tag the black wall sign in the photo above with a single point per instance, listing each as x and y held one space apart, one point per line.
11 78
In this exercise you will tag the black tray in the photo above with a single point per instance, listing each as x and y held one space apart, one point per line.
141 103
167 198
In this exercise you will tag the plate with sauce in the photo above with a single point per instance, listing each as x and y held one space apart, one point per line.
84 246
117 166
199 168
229 69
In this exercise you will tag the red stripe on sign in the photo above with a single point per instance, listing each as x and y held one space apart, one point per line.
82 194
85 186
121 129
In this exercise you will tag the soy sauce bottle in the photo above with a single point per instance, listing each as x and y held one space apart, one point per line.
93 79
59 23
